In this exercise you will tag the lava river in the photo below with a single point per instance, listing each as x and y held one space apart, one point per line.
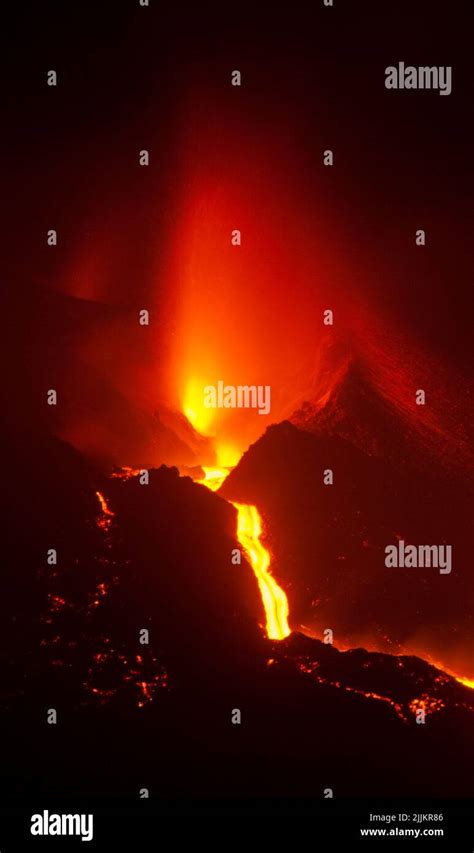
249 531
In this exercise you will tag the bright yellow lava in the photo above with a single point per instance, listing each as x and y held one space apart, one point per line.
249 530
275 602
468 682
213 478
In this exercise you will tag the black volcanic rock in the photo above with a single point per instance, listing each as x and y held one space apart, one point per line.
47 499
176 540
328 543
155 556
405 682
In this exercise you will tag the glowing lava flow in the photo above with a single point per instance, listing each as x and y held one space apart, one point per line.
275 602
249 530
213 478
468 682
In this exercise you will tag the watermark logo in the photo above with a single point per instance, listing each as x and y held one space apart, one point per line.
423 77
419 556
222 396
63 824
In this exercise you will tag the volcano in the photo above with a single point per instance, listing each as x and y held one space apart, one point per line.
237 380
158 557
156 562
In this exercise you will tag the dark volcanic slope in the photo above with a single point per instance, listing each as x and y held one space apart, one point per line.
158 557
374 408
328 542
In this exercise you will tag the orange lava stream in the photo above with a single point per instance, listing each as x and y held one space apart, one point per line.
249 530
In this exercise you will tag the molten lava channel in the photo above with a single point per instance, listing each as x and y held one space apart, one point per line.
275 602
249 531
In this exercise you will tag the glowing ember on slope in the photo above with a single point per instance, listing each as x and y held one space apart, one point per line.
125 473
56 602
100 592
428 703
308 667
105 520
249 530
142 678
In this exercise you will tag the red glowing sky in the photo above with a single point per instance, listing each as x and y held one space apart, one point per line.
252 314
